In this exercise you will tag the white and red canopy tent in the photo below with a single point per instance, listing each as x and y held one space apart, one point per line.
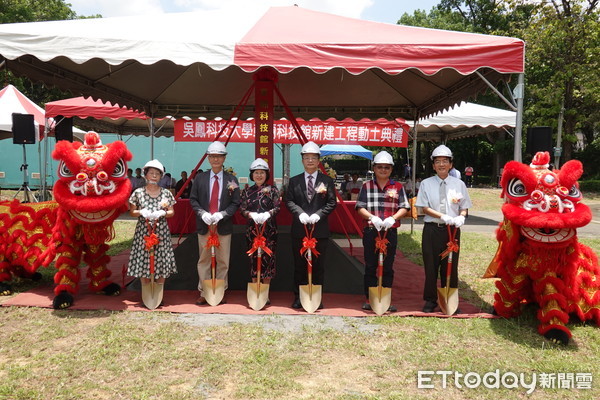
13 101
103 116
201 64
464 120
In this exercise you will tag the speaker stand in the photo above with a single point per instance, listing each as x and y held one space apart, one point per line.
27 193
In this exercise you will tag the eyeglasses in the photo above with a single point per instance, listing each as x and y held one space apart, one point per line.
310 158
215 156
441 162
383 167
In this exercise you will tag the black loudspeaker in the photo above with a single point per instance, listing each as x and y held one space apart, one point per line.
64 128
23 129
539 138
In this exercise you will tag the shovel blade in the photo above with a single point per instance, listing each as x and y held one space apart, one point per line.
258 295
213 294
448 300
310 299
152 294
380 303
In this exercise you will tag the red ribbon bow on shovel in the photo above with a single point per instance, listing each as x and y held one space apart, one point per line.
309 243
259 241
381 243
150 242
452 244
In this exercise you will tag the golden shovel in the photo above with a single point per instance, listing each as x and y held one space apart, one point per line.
258 293
213 289
380 297
152 292
447 296
310 295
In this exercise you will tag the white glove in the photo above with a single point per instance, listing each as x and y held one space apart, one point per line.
144 212
313 219
448 220
158 213
255 216
304 218
207 218
459 221
265 216
216 217
388 223
377 222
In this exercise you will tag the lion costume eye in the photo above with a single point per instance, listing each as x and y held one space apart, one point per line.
516 188
64 171
574 192
120 169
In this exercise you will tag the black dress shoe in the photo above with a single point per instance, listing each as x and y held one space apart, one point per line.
366 306
429 307
392 309
296 304
320 306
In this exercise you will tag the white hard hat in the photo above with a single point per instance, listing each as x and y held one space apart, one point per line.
441 151
383 157
154 164
310 148
259 163
216 148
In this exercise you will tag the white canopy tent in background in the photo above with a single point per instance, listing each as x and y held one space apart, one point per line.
13 101
464 120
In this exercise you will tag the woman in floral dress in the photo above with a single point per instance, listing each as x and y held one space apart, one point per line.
260 204
152 205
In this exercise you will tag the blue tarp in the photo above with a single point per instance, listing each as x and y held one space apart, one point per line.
352 149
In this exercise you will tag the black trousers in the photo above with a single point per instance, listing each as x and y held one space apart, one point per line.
300 264
435 239
371 258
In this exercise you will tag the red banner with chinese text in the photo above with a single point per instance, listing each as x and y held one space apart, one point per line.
364 133
263 118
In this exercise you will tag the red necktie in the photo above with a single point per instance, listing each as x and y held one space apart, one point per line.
214 196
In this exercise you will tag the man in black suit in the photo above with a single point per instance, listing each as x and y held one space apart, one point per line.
215 197
310 197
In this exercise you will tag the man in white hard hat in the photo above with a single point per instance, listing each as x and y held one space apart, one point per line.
444 201
310 197
382 202
215 197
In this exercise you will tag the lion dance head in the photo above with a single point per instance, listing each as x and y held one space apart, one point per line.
540 259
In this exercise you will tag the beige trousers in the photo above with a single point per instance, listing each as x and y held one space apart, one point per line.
221 256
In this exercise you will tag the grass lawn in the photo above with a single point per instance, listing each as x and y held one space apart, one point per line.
49 354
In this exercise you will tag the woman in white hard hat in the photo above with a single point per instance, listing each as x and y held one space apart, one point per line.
382 202
444 201
260 204
152 204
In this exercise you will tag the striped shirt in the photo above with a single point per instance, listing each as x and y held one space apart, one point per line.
383 202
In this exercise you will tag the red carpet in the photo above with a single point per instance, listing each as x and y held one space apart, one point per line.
406 296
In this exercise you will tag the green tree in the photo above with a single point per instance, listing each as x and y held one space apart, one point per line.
563 68
34 10
16 11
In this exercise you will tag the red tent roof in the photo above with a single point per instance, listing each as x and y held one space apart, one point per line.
291 37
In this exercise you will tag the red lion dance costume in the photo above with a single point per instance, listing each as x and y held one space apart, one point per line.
92 191
539 258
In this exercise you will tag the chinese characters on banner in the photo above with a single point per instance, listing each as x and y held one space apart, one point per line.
364 133
263 118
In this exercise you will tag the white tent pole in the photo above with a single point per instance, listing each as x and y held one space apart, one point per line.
414 166
44 156
519 94
152 136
